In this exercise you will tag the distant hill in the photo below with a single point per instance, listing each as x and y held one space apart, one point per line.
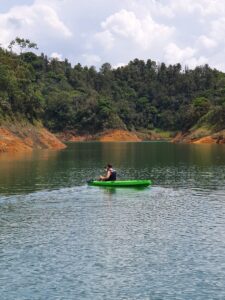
140 95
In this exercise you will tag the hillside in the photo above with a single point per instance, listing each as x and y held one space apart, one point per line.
139 96
23 136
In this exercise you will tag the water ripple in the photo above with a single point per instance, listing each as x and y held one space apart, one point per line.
61 239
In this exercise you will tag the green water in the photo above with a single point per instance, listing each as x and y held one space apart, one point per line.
166 164
62 239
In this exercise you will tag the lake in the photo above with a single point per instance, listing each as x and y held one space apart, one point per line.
61 239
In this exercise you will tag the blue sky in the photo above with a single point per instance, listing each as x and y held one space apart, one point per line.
96 31
5 5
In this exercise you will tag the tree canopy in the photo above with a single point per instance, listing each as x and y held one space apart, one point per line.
142 94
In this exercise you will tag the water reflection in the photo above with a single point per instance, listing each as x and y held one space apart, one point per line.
27 171
165 163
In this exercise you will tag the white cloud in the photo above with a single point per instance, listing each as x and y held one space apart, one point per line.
188 6
143 32
194 62
206 42
97 31
174 54
56 55
91 59
105 38
119 65
217 29
185 56
200 7
52 20
35 21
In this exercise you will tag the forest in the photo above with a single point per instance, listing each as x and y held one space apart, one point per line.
140 95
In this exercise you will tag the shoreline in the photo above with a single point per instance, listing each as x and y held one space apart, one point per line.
200 136
118 135
18 137
114 135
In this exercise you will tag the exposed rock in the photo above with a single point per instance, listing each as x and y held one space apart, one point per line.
200 136
114 135
205 140
18 138
9 142
118 136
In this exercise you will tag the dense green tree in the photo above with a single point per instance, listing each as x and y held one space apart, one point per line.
136 96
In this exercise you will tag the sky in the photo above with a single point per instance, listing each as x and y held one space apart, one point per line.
92 32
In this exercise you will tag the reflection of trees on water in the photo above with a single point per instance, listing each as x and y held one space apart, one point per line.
25 171
165 163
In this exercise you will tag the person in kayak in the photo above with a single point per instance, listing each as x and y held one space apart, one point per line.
110 175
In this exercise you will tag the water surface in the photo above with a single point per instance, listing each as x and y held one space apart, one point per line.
60 239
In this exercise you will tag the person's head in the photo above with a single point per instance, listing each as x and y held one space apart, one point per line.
109 166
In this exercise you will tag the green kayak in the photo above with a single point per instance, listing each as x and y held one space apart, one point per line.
121 183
